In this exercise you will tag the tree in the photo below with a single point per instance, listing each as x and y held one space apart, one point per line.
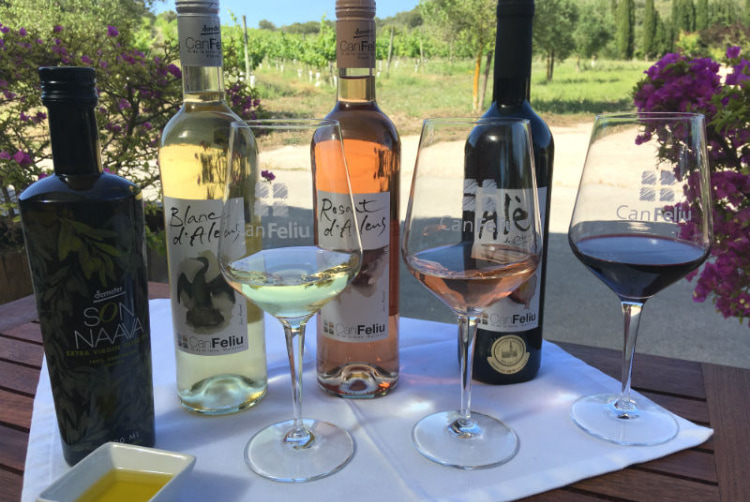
724 12
662 36
475 21
701 15
649 30
445 27
592 32
683 16
554 25
265 24
625 29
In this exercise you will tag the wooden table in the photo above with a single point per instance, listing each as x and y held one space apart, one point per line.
708 394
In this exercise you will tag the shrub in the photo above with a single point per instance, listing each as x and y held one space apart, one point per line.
677 83
138 93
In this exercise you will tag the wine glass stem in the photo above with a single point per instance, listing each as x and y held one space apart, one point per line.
631 312
467 332
299 436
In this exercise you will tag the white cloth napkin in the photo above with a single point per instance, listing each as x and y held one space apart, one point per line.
553 451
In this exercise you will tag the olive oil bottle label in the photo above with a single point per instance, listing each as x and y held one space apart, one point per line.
499 220
360 312
209 317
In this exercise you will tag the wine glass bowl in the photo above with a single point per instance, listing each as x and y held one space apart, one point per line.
642 221
273 250
471 244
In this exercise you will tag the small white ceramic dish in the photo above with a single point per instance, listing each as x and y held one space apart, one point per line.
111 456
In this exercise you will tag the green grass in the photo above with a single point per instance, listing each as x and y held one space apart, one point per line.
441 89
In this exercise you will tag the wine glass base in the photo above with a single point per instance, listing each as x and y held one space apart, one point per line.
487 444
646 424
270 456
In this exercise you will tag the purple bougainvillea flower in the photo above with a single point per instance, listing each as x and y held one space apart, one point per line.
112 31
23 158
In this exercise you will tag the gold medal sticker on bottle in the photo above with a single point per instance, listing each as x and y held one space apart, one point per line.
508 355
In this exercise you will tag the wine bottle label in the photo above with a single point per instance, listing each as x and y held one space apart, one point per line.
497 220
209 319
355 43
200 40
360 312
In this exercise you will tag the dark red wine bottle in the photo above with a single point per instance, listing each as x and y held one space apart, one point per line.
85 240
509 338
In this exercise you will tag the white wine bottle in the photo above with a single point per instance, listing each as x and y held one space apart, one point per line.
358 331
219 336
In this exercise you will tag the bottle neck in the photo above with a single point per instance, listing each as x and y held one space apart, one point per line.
356 85
202 84
74 137
201 58
512 78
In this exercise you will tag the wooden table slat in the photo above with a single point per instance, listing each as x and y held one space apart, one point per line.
30 331
10 486
14 377
17 312
690 409
16 409
691 464
22 352
563 495
13 445
637 485
728 392
650 373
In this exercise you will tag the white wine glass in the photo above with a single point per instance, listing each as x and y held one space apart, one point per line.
281 202
642 221
471 244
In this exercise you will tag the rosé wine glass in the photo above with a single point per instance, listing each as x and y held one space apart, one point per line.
471 244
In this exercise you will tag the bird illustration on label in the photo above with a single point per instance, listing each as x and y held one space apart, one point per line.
207 297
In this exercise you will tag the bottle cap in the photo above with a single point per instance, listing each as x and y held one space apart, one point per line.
355 8
68 83
508 8
197 6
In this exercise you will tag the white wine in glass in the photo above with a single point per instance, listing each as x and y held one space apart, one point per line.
276 198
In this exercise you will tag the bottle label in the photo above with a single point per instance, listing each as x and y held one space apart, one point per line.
209 317
355 43
90 278
200 40
496 221
360 312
